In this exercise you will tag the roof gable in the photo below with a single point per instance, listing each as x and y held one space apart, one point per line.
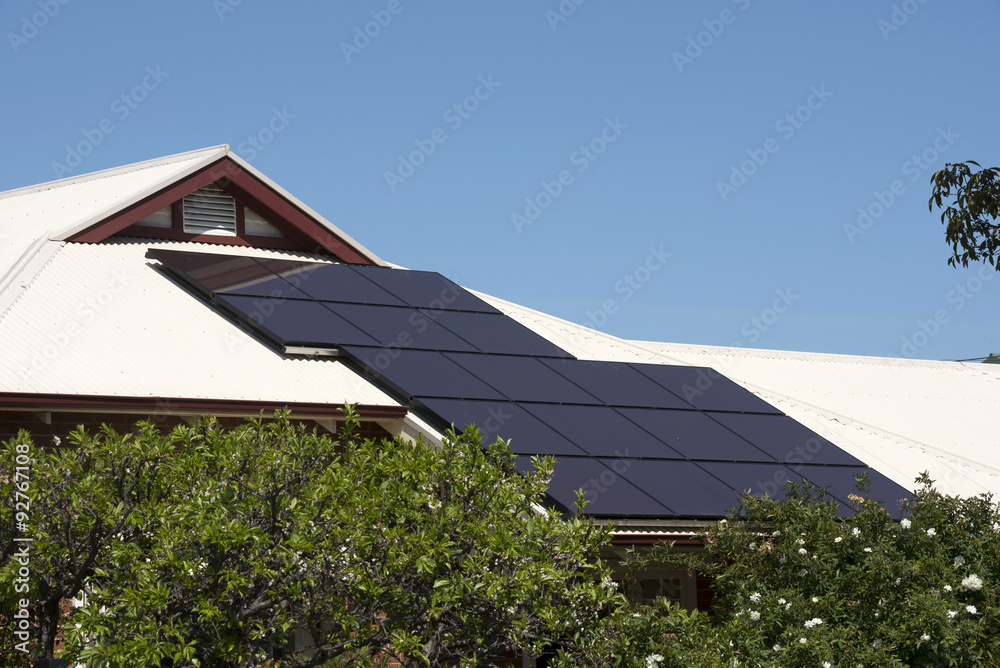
92 207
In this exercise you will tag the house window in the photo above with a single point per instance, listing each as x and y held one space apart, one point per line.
211 214
658 583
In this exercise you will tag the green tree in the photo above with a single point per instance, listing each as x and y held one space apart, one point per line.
214 547
970 220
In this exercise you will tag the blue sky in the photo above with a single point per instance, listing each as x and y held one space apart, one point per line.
691 173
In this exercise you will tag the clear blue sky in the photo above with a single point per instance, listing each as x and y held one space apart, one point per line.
833 104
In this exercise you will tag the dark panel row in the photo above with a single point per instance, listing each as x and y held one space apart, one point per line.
295 279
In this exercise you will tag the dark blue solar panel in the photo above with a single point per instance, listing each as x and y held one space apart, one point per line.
213 273
503 419
424 289
601 431
420 373
695 435
841 481
607 492
496 333
705 389
332 282
785 439
522 378
616 383
291 321
400 327
760 479
681 486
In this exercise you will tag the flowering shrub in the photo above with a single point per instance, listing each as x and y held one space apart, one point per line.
804 582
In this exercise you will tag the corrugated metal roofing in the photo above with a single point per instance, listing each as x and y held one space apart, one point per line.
99 319
901 417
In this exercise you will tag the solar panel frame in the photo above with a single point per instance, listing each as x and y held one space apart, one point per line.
402 327
616 383
522 378
601 431
420 373
502 419
333 283
596 479
294 322
686 489
704 388
695 435
496 333
424 289
785 439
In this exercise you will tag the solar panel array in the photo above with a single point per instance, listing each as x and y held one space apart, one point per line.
638 439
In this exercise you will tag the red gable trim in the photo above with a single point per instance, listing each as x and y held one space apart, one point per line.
185 406
309 234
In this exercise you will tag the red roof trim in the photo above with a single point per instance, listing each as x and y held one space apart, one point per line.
309 234
181 405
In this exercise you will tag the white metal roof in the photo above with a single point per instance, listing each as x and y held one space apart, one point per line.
100 319
901 417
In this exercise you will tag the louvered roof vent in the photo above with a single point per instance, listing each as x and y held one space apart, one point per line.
210 211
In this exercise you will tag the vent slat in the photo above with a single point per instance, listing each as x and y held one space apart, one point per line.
210 211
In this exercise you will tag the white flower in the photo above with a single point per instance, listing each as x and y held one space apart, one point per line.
925 637
856 531
951 614
782 560
799 541
775 533
781 601
788 606
971 609
932 532
753 546
826 664
972 583
754 615
904 523
959 560
802 641
837 539
755 597
777 648
815 621
868 549
609 584
815 599
947 587
802 550
877 643
653 660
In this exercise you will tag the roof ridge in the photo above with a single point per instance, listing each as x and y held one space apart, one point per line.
221 149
